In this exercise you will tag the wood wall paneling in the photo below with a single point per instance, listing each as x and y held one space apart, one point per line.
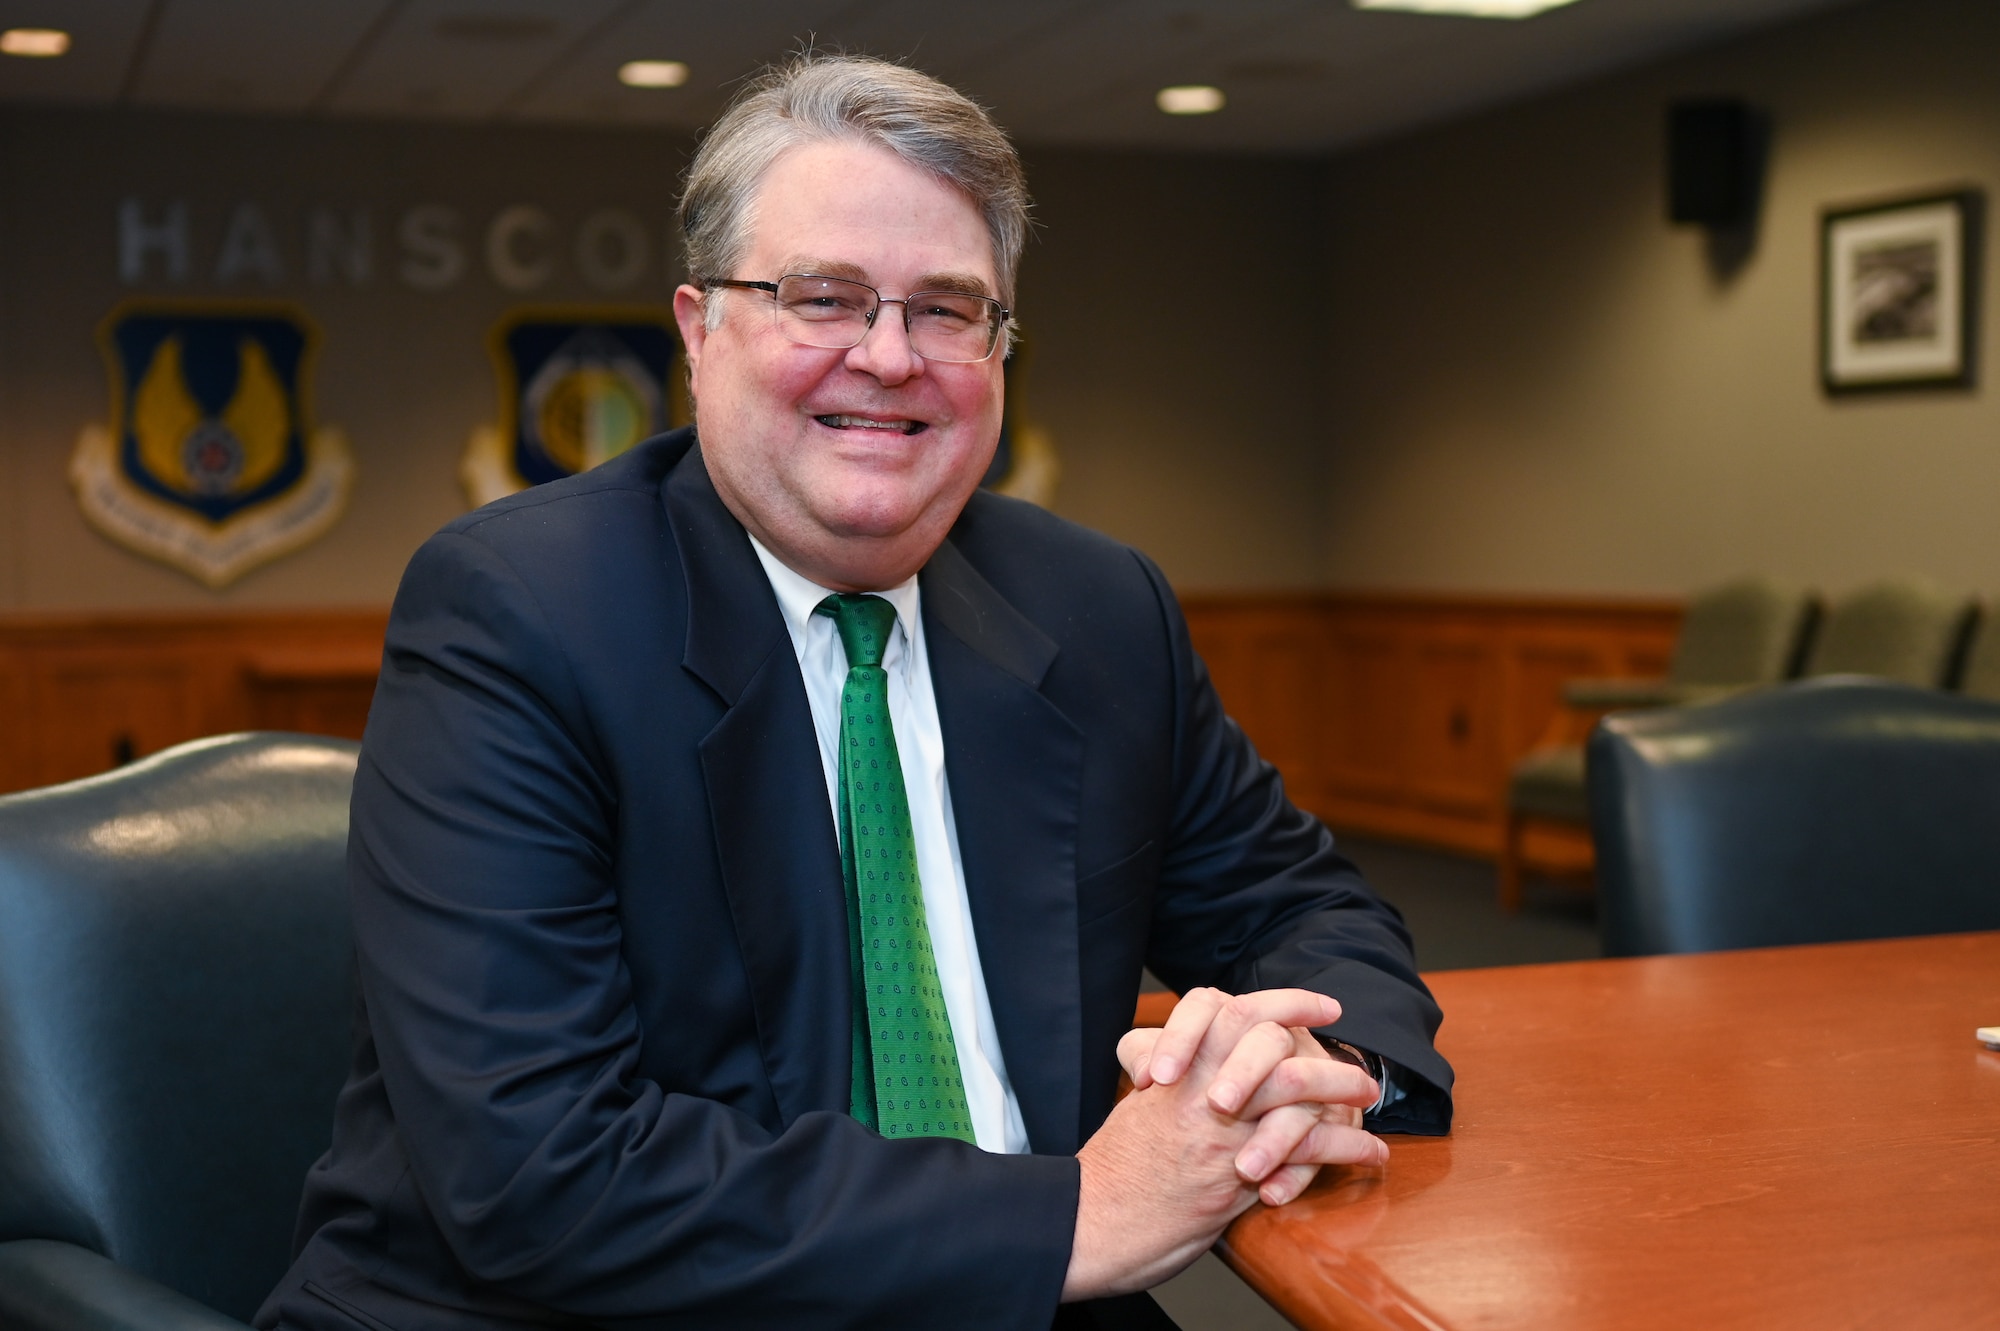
1396 716
95 709
1452 743
17 769
323 692
1412 710
79 695
1367 711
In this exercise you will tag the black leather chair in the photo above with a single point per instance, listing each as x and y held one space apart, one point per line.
1830 809
176 1002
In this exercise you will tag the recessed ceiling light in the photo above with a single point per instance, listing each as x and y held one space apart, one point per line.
36 42
1468 8
653 73
1193 99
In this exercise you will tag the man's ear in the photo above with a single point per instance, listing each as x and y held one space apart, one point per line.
692 318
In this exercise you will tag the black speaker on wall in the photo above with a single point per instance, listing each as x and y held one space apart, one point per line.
1712 162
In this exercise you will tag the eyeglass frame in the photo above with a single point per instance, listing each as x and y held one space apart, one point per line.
999 325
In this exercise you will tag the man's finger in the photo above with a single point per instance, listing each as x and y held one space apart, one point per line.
1283 1007
1207 1024
1175 1049
1298 1135
1243 1073
1284 1185
1135 1048
1327 1141
1298 1079
1278 1135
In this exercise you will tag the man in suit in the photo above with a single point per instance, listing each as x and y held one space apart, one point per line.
628 1051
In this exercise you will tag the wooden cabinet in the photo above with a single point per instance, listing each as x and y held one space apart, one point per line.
1397 716
1451 744
81 695
323 692
1401 716
1362 744
98 708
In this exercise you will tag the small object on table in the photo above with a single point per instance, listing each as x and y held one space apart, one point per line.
1989 1036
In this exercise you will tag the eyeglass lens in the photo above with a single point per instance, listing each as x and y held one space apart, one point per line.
943 325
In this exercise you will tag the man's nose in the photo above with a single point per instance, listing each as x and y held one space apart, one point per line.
885 351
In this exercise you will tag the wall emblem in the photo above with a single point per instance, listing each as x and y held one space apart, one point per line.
210 462
576 388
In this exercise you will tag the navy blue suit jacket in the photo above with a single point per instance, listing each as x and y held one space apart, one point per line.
601 1066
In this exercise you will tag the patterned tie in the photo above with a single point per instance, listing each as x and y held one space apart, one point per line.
906 1081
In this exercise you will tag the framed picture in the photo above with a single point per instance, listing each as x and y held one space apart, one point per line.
1898 288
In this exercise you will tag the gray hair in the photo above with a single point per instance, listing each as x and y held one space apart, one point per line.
816 98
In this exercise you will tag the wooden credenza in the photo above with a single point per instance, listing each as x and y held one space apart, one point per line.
1395 715
1401 715
82 694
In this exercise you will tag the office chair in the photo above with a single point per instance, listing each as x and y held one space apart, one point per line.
1908 630
1751 631
1814 812
176 1001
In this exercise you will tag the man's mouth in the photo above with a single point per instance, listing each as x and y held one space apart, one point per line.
866 423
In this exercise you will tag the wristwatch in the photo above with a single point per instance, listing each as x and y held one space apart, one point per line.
1360 1058
1347 1053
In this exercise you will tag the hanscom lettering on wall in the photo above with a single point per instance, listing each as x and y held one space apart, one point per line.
427 247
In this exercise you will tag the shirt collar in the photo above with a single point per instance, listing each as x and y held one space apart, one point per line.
799 597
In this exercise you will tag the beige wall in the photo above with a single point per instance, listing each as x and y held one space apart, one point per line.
402 370
1189 435
1538 385
1172 303
1477 358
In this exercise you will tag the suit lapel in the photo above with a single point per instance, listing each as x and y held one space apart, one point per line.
1015 764
774 833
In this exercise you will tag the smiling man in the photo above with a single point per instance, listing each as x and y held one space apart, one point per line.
758 839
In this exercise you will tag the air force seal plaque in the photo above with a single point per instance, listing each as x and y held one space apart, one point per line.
576 388
210 462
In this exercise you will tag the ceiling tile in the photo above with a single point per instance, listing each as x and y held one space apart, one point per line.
1301 76
719 44
461 59
252 55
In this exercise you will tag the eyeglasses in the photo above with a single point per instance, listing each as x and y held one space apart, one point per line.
831 312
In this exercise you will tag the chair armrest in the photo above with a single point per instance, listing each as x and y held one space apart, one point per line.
1694 693
50 1286
1613 694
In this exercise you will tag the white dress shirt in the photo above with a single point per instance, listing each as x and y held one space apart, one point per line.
989 1096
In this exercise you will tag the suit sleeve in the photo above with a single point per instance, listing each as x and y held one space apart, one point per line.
1254 895
491 964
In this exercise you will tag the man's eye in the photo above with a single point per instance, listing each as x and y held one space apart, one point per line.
827 307
948 314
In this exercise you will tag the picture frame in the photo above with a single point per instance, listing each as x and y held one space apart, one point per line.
1899 286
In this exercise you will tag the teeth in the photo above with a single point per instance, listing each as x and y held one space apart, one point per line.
863 423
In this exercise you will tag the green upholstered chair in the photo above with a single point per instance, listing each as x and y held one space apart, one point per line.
176 1009
1908 630
1734 636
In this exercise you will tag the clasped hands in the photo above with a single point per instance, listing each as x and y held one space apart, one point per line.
1233 1102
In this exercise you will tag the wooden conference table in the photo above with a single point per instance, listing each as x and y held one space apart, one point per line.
1788 1137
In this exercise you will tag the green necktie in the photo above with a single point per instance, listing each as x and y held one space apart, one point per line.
906 1081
